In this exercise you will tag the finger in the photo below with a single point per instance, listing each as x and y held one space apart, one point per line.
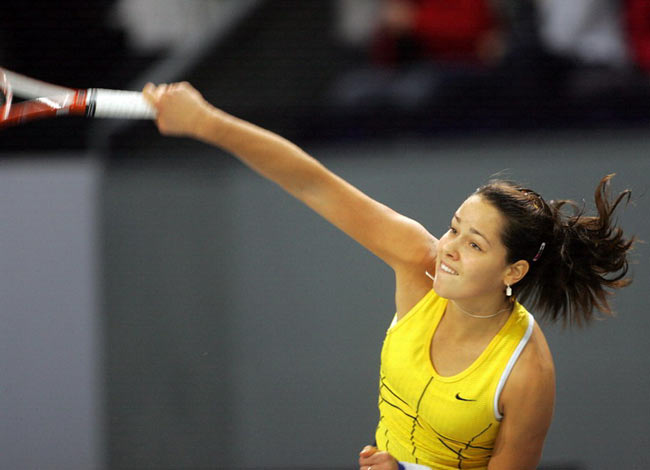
377 460
154 93
149 92
367 451
374 459
374 466
176 86
366 454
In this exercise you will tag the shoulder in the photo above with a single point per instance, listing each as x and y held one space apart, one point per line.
527 405
411 280
532 380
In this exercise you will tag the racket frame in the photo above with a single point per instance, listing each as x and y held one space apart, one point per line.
47 100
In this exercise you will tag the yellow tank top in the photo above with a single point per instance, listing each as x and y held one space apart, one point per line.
443 422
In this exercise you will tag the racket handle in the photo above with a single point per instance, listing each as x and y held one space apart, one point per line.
118 104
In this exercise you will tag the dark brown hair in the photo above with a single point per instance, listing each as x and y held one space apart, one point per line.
584 258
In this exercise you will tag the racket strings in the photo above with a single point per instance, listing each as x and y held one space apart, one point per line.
6 96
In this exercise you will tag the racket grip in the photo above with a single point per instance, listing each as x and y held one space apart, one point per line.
118 104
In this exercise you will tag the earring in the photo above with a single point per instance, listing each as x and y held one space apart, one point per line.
508 290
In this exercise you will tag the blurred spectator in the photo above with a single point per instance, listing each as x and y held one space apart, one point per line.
586 31
598 41
502 62
355 22
155 25
637 26
416 49
460 31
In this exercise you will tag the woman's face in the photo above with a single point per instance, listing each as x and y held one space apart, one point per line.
471 262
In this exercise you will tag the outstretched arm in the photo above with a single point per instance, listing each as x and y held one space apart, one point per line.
396 239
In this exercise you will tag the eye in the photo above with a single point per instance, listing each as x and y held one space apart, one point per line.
453 230
475 246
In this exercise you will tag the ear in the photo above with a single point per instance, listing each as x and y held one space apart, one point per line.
516 272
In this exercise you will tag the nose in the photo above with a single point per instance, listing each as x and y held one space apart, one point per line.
450 249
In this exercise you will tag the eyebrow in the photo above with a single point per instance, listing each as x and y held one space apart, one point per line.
473 230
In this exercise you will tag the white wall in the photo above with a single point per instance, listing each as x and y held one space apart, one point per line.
50 348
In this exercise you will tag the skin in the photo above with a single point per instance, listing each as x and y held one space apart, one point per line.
472 248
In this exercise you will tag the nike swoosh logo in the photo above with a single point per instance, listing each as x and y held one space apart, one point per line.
458 397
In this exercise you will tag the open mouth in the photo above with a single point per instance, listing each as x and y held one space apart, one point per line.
447 269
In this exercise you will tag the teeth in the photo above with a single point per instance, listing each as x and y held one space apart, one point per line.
447 269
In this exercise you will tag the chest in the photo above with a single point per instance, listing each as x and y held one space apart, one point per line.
455 408
457 411
439 378
450 356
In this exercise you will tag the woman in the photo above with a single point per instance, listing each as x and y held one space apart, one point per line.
467 378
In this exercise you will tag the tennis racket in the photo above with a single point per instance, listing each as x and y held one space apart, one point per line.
44 100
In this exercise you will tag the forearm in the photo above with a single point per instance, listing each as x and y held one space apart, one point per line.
267 153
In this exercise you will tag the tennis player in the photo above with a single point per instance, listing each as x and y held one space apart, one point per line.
467 379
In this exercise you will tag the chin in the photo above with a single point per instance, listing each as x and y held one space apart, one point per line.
443 291
451 291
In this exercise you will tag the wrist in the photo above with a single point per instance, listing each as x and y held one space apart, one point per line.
210 124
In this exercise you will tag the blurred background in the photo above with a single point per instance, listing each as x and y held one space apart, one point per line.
163 307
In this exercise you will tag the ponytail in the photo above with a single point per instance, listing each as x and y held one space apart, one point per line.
576 261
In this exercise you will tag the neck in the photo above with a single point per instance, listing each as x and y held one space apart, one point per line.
483 316
470 315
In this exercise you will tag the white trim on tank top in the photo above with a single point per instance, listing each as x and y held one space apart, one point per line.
511 363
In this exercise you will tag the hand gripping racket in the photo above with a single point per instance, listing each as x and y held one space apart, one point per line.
44 100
